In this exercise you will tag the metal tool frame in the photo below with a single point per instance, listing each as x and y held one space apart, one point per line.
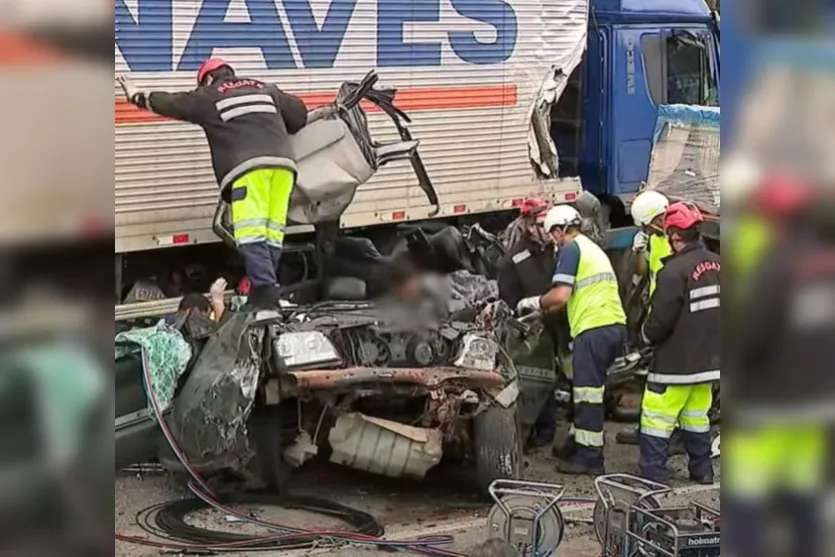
550 493
630 490
642 518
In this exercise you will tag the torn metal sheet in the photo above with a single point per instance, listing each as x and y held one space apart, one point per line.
211 412
561 43
384 447
509 394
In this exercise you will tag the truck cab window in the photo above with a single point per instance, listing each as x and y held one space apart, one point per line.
688 72
678 70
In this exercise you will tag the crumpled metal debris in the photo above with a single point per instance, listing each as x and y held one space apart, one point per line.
474 290
302 450
210 414
384 447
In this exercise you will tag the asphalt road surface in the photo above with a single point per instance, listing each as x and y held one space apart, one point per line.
442 504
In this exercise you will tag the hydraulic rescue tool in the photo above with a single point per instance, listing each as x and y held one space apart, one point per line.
526 515
630 521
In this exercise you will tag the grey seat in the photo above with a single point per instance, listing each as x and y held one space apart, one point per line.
335 154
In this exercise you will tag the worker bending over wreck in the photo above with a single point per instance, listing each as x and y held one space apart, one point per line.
650 246
683 326
247 124
585 284
526 270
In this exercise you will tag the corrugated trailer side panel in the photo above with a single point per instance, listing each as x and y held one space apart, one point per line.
467 71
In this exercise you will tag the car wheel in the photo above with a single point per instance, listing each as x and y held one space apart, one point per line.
497 445
266 438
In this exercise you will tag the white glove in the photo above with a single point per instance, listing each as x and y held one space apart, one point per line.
128 87
528 305
217 289
640 241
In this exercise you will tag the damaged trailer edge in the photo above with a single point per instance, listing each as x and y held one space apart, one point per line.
391 421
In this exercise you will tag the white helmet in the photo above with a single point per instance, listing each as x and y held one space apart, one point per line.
648 205
738 177
561 215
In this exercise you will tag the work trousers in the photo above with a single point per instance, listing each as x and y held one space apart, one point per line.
665 406
593 353
260 201
775 468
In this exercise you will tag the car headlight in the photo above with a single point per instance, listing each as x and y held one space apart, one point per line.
306 348
477 352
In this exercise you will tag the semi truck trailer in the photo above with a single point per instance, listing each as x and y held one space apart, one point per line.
508 99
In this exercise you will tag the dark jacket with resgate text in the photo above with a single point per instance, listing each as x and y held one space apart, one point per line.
247 123
786 337
684 318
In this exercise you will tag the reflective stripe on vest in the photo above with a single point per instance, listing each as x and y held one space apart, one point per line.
595 301
659 248
752 238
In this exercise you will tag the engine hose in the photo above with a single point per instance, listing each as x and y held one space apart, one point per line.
207 497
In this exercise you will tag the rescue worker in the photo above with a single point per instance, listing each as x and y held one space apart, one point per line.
247 124
783 386
651 247
749 229
650 242
584 283
528 266
683 326
526 270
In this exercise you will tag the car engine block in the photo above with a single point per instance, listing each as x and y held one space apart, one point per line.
375 338
371 346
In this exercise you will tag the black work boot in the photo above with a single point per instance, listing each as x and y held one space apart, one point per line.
628 437
676 444
565 451
575 467
261 297
707 479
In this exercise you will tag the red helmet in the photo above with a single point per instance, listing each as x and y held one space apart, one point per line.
533 206
682 215
208 67
244 286
780 195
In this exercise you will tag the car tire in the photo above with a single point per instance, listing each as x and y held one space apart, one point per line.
497 446
266 438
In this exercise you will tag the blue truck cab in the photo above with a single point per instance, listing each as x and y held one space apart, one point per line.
640 54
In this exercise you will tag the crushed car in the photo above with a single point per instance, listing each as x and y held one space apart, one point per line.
361 384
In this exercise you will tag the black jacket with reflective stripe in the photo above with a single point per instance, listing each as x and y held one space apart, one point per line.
525 270
247 123
684 318
786 339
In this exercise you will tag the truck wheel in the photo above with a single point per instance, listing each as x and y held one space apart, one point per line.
497 444
265 436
